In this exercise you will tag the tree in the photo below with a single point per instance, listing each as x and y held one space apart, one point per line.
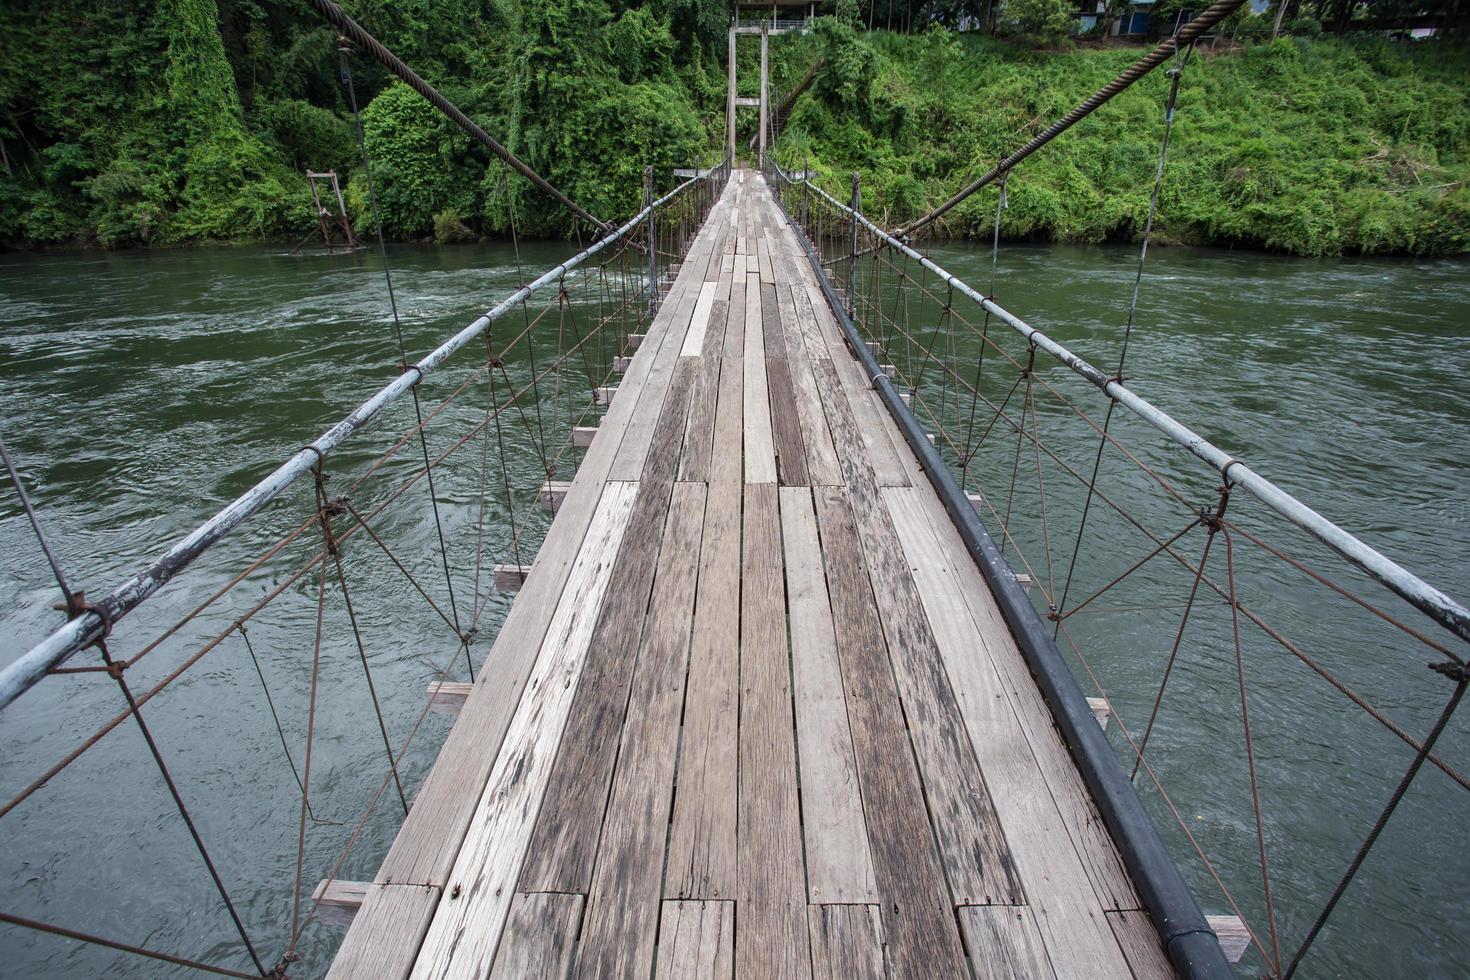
1042 20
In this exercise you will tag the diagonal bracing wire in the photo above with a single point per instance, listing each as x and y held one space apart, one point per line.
343 51
74 606
1175 74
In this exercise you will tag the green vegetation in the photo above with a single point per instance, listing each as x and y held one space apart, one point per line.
1310 147
168 121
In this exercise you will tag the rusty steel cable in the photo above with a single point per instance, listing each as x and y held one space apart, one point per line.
1250 752
1384 815
1166 49
327 508
116 670
96 940
1175 74
344 51
73 605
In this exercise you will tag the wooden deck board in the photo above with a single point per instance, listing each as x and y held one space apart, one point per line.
771 940
540 938
839 867
701 859
754 712
760 452
697 941
785 424
623 906
1066 910
463 936
918 918
564 846
847 942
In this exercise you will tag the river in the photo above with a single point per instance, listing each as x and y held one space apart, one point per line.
143 390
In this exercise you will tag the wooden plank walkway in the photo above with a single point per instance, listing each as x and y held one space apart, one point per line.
754 712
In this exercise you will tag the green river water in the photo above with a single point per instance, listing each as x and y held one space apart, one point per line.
140 392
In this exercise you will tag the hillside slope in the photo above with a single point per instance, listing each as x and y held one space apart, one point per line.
1309 147
171 121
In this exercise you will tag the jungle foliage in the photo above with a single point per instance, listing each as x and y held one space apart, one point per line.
1315 147
167 121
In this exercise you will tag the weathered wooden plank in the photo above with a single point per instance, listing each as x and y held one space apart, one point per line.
785 425
427 844
874 424
725 449
696 941
1079 814
604 395
1234 937
1141 945
1004 942
821 455
1045 849
719 318
694 464
699 322
760 453
462 938
847 942
972 845
623 905
771 934
561 852
918 923
540 938
839 868
552 493
582 435
763 258
638 433
337 901
694 461
510 578
735 317
701 860
386 933
448 697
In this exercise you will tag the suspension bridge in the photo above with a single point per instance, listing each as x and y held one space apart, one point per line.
789 686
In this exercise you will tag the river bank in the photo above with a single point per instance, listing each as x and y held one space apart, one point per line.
196 120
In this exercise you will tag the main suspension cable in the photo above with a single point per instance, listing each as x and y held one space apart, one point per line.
1213 15
353 30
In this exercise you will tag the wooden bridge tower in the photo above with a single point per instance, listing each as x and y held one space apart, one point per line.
762 19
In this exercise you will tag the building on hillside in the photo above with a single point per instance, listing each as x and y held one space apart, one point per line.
1132 22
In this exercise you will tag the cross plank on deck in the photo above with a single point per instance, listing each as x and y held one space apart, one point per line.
754 712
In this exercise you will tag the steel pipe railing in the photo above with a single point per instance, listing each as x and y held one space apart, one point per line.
99 618
1186 935
1433 602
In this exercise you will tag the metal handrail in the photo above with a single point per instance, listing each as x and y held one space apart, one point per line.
1184 932
1445 610
97 621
